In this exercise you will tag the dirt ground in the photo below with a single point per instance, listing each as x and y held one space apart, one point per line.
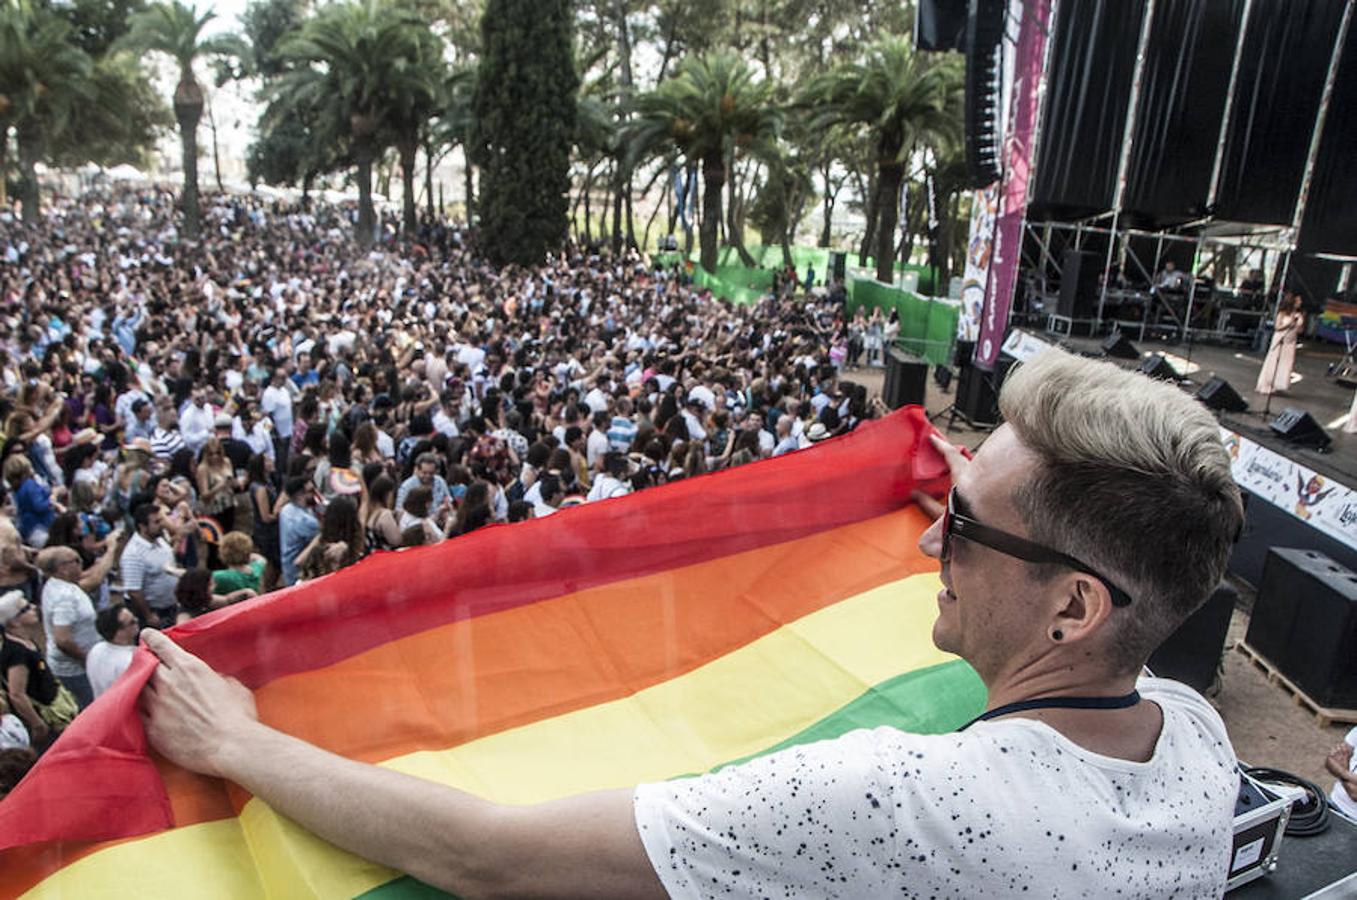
1266 724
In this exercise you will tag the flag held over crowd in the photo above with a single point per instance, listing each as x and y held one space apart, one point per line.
655 636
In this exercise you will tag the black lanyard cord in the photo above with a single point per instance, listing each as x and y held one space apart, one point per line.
1125 701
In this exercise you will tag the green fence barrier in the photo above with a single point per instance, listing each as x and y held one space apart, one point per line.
928 326
734 281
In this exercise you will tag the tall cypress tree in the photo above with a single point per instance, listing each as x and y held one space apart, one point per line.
524 114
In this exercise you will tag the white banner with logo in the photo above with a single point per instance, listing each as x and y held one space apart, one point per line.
1314 499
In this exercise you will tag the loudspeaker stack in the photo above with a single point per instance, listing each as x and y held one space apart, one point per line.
1078 285
1192 653
1304 622
906 379
984 79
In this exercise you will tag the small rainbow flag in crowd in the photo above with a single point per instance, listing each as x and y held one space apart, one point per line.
649 637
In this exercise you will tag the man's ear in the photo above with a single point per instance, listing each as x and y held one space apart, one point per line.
1084 606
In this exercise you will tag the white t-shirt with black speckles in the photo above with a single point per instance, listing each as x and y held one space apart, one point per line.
1007 808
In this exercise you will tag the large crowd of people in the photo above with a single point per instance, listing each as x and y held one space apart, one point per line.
191 424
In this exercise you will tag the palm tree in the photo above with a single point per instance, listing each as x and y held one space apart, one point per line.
903 99
713 108
453 127
176 30
361 64
44 78
415 96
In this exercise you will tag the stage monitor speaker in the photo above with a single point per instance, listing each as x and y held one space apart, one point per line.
838 266
977 392
1118 345
1078 285
1304 622
1156 366
1296 426
1192 653
906 379
940 24
1217 394
984 86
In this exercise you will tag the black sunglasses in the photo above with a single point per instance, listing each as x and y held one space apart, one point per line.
956 523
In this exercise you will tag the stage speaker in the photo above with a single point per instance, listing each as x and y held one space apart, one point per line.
1118 345
984 86
1296 426
977 392
1192 653
906 379
1217 394
838 266
1156 366
1078 285
1304 622
940 24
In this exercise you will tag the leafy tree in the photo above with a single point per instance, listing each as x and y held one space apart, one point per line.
524 111
454 125
265 24
293 146
781 200
355 67
97 24
44 78
117 119
413 105
903 100
176 30
713 108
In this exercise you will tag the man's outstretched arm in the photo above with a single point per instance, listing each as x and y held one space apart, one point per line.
578 846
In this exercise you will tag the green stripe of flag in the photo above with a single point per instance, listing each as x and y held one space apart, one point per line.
934 700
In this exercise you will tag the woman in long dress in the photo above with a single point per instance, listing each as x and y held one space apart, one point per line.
1281 355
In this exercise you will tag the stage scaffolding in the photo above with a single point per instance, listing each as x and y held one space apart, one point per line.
1273 244
1263 247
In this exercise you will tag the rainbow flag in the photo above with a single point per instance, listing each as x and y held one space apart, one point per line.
650 637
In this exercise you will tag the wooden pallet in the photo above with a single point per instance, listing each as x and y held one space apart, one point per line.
1326 716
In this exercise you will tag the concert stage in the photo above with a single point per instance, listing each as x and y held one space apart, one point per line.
1297 497
1310 390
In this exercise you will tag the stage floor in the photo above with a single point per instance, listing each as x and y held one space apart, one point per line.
1311 390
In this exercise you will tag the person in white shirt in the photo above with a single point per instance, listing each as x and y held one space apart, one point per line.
693 413
449 412
767 442
118 626
596 444
598 397
68 616
276 403
704 395
548 498
612 482
197 421
1342 765
1081 774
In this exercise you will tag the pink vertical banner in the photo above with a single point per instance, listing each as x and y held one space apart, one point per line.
1030 55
